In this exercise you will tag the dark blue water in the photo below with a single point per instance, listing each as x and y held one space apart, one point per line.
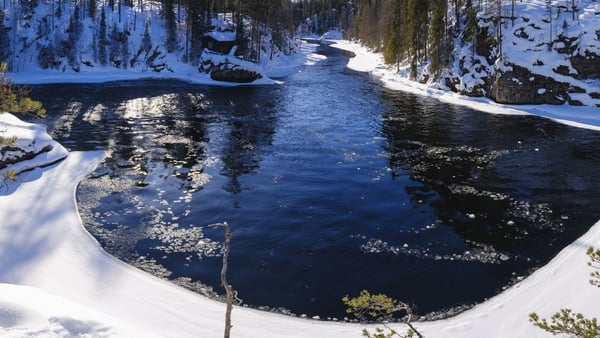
330 183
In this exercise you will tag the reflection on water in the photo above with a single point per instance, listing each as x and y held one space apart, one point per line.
331 185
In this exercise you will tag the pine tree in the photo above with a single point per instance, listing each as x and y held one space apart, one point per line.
92 9
124 39
381 308
4 40
146 40
115 47
171 25
47 56
413 32
199 24
27 7
470 30
14 99
438 45
75 29
102 42
392 36
568 322
368 24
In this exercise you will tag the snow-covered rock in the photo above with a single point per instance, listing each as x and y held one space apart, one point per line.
32 146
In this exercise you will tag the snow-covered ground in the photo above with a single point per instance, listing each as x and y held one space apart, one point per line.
56 281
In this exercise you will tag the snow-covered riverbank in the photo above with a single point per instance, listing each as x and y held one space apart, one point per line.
365 61
56 281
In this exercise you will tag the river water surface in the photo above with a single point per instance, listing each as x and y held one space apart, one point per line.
330 183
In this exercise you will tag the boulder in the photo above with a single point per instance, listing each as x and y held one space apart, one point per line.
233 73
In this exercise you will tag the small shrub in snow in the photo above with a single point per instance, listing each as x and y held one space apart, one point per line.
381 308
594 263
15 100
8 175
566 321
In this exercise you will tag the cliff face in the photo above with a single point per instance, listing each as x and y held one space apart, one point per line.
547 52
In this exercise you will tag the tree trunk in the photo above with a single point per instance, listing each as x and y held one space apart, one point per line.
228 289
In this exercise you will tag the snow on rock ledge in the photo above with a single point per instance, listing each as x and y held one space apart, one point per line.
33 147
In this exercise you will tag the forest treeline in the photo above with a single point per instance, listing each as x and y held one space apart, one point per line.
403 28
56 28
413 32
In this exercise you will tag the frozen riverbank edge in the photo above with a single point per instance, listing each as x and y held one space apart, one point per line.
58 282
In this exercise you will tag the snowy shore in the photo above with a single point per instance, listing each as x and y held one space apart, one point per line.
56 281
578 116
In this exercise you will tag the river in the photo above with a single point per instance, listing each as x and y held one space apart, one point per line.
331 184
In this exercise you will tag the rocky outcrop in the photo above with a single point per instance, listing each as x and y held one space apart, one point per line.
520 86
11 155
587 66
